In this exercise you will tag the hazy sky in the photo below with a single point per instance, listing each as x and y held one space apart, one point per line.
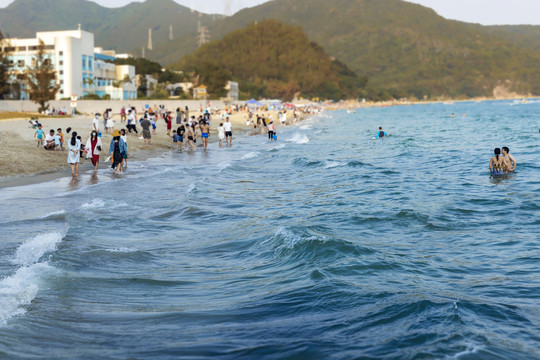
487 12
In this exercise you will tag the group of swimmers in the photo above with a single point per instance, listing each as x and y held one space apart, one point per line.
501 165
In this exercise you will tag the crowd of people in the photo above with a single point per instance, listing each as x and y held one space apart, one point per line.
183 129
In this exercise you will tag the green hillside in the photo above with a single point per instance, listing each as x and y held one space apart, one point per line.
406 48
270 59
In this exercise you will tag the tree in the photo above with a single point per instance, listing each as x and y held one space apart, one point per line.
4 67
41 79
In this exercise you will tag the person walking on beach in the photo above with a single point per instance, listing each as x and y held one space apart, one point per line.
271 130
40 135
118 149
95 123
61 134
124 138
191 136
509 159
145 124
205 132
110 121
181 132
122 114
93 149
74 154
221 134
131 122
228 131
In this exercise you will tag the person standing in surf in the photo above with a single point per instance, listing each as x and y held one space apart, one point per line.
227 126
205 132
74 154
93 149
497 164
118 148
380 134
509 159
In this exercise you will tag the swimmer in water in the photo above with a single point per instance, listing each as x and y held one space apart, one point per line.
509 159
381 133
497 164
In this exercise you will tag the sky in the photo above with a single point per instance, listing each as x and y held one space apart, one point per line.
485 12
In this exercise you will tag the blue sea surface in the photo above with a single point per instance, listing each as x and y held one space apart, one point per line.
326 244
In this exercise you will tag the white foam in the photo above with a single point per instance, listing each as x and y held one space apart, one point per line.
305 127
53 214
250 155
99 203
191 189
19 290
31 251
299 139
96 203
471 349
333 164
223 166
122 250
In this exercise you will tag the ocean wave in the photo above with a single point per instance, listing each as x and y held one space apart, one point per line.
250 155
299 138
31 251
19 289
55 215
301 242
303 162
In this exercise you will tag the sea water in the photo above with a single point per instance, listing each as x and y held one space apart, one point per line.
325 244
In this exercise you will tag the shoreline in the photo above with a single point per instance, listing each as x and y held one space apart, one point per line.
23 163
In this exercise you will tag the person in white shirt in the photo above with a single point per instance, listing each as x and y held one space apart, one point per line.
95 123
227 126
49 141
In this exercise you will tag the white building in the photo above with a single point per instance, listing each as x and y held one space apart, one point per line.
80 69
232 90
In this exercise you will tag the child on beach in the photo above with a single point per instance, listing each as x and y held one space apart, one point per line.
176 141
57 145
40 134
61 134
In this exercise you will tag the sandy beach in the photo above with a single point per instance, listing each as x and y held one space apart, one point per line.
22 161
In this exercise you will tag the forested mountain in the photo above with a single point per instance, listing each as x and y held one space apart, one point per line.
273 60
404 48
407 48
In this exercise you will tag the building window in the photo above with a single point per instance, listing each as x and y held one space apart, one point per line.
61 72
9 49
49 47
60 63
21 48
84 62
61 91
89 63
61 53
61 82
20 63
11 63
47 62
33 48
